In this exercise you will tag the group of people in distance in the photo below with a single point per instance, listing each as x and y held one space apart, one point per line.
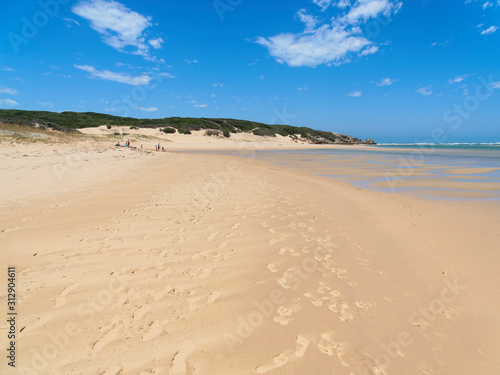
127 144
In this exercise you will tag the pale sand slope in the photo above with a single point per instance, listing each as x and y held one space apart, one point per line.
190 264
149 137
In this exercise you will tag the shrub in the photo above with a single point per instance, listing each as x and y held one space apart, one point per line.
184 131
263 132
211 133
108 126
117 133
134 128
168 130
226 133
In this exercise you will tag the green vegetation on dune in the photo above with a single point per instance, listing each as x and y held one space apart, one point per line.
71 121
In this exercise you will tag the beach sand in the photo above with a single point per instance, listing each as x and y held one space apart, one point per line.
134 262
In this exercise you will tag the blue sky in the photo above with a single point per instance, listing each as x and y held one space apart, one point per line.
391 70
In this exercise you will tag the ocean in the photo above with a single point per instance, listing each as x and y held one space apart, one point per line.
432 171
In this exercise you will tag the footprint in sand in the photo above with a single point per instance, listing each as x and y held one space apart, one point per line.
448 313
363 305
302 344
329 347
315 301
272 267
341 274
282 250
277 362
285 313
346 316
179 365
333 307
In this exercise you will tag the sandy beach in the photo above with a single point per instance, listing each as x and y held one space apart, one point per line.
143 262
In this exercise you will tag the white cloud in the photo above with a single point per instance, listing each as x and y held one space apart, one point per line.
156 43
425 90
366 9
487 5
192 61
332 42
369 51
119 26
70 22
386 82
117 77
147 109
217 84
342 3
200 105
168 75
489 30
7 90
8 102
457 79
309 20
325 4
7 69
496 85
355 94
302 89
326 45
46 104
